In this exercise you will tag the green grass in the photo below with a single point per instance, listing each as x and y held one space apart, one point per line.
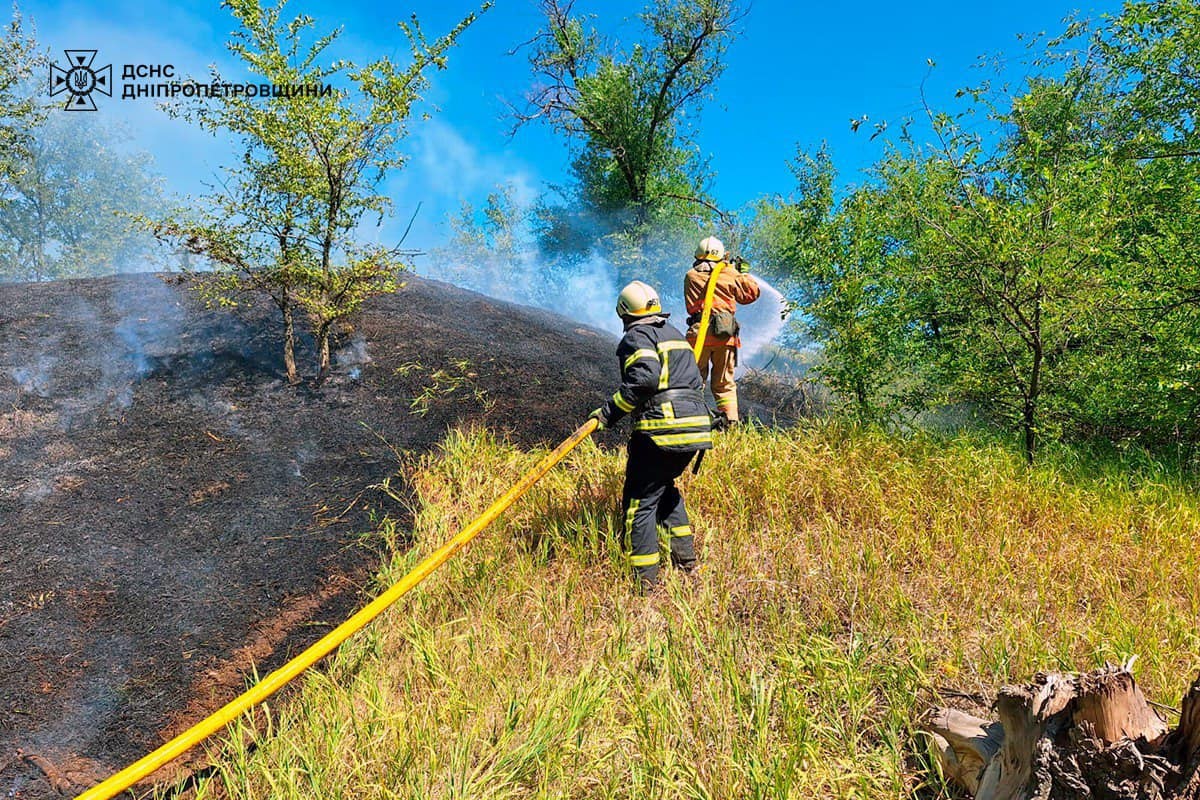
847 576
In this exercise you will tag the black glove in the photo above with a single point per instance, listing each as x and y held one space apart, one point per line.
598 415
743 266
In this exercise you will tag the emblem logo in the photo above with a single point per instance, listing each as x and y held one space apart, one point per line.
80 80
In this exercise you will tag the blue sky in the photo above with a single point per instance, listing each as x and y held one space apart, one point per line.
796 76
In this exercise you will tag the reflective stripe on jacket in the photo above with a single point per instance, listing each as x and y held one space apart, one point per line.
733 288
660 387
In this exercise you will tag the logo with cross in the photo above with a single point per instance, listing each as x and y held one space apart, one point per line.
80 80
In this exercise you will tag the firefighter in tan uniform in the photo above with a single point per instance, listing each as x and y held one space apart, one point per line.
719 354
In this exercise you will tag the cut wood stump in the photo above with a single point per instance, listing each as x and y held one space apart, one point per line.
1071 737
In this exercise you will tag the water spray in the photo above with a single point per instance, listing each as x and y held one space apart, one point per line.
762 322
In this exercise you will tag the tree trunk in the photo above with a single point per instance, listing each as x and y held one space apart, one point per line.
862 401
1071 737
39 245
1183 744
965 745
1028 421
323 352
1029 408
1035 374
289 345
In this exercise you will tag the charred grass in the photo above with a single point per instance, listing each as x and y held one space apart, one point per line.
848 579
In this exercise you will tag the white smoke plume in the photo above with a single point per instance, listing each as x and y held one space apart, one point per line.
115 339
587 292
590 295
491 245
35 377
353 356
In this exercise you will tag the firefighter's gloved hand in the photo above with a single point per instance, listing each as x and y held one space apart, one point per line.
743 266
598 415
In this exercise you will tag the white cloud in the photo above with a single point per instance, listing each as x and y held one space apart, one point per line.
449 161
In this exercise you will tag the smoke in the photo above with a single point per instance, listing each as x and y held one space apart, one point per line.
35 377
588 293
221 410
147 327
353 356
305 455
499 256
116 339
125 363
519 246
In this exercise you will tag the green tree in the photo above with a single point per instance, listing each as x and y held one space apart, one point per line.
250 232
980 274
1038 260
631 116
489 248
312 166
70 194
19 111
833 259
1012 254
1153 53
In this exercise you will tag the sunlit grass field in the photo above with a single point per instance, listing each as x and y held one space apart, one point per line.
848 577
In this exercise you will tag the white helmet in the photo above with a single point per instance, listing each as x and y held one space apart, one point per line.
710 249
638 300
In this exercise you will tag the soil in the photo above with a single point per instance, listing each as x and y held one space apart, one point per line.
173 514
172 511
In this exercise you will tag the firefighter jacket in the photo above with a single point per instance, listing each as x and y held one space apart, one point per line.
732 288
660 387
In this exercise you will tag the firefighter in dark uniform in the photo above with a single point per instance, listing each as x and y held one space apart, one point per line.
661 389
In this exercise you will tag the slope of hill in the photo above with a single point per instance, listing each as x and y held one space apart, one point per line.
171 511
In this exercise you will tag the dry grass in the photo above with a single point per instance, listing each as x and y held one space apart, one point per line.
847 576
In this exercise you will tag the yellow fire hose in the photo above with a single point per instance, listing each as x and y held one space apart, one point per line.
709 291
328 643
280 677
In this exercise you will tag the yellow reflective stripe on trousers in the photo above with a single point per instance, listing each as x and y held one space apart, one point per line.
670 422
622 403
639 355
629 512
682 530
671 439
636 560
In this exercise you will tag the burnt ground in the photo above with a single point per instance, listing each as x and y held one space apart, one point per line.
173 513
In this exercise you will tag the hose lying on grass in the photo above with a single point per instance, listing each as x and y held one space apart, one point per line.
330 641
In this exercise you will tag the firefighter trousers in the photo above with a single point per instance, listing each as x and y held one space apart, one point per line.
651 503
716 369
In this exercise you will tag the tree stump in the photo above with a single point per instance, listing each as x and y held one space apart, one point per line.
1071 737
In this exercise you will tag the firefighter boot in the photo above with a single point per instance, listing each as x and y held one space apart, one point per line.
646 579
683 548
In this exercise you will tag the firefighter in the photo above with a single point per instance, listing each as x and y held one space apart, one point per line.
719 354
661 388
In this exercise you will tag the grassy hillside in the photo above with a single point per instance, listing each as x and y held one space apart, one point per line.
847 577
